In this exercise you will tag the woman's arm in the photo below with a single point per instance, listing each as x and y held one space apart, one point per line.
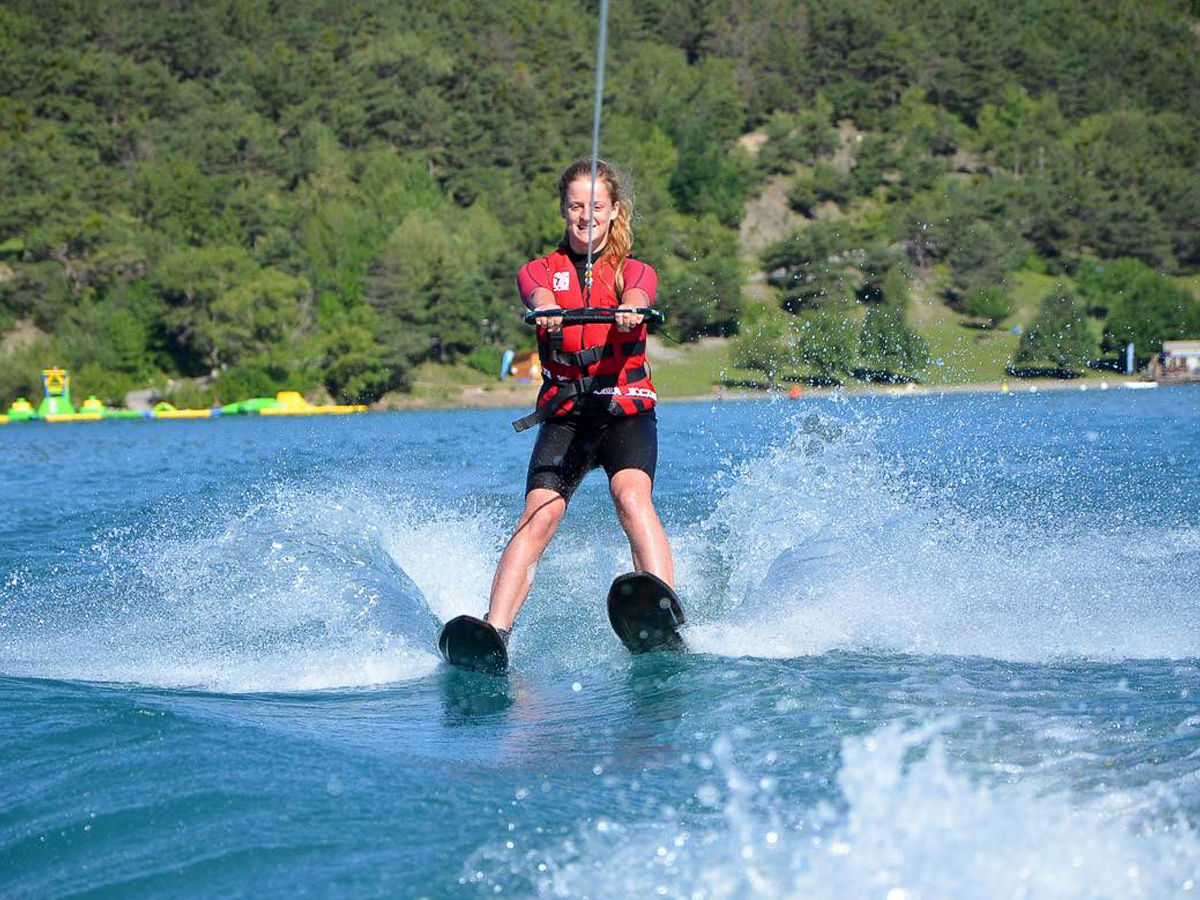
641 284
533 281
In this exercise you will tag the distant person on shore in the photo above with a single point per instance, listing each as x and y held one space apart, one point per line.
596 405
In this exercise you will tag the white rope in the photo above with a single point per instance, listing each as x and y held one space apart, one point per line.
601 41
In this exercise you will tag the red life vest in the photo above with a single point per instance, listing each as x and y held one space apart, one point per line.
594 359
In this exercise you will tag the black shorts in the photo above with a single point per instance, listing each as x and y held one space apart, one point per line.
570 446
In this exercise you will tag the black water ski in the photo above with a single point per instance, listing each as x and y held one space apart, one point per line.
645 613
471 643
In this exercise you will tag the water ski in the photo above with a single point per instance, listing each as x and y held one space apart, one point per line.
471 643
645 613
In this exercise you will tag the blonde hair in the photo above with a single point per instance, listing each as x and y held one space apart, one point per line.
620 231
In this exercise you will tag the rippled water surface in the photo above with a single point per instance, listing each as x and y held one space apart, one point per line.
944 646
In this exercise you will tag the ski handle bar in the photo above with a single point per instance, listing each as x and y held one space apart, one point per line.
590 315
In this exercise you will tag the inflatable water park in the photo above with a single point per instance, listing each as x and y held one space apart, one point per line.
56 406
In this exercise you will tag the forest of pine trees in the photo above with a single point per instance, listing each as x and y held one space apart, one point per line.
327 194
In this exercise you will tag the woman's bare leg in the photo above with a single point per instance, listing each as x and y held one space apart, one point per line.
514 575
631 492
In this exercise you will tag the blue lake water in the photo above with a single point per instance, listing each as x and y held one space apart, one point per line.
945 646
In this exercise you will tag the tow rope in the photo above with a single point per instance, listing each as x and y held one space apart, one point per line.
598 103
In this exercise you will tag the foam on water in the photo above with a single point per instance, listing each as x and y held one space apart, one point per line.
821 542
824 543
919 771
908 823
448 554
298 590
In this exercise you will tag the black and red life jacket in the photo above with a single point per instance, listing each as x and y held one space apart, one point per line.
595 359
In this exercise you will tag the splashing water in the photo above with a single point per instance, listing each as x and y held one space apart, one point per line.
823 543
299 590
907 824
945 647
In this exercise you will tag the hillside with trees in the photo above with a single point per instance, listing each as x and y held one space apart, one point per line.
324 196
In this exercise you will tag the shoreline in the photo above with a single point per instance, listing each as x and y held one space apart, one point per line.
523 396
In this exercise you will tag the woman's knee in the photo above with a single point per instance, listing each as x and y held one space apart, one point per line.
631 496
541 519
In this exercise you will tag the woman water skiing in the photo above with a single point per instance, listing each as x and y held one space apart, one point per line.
596 405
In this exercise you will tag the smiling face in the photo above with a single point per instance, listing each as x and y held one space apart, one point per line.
575 213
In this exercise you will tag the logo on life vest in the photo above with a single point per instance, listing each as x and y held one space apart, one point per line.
628 392
562 281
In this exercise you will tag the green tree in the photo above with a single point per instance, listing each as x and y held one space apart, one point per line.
828 343
223 308
303 138
1059 334
830 184
1021 130
116 335
176 198
20 368
769 342
989 304
872 159
699 107
436 288
260 318
1152 309
924 127
353 363
979 260
800 137
1141 164
39 291
1103 285
241 382
700 283
890 349
811 267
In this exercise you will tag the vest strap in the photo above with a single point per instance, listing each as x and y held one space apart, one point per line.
585 358
582 359
569 388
